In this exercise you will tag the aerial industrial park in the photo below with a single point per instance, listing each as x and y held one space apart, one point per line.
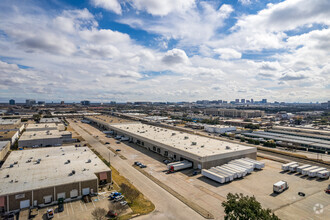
165 110
76 158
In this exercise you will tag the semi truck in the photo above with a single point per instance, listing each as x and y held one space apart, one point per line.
280 186
172 167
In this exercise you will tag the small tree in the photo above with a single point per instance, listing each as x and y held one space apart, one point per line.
117 207
130 193
99 214
240 207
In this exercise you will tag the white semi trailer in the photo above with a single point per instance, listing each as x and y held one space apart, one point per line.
172 167
293 168
324 174
258 165
313 173
244 166
300 168
213 176
286 166
306 170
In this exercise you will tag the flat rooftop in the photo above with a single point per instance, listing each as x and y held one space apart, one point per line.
110 119
52 170
41 126
9 121
50 120
33 135
3 144
194 144
303 129
10 127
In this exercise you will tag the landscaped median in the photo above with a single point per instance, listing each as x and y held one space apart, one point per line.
200 210
138 204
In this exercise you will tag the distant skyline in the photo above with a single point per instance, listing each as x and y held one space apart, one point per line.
169 50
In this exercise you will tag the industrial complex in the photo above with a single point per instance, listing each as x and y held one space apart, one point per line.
203 152
50 174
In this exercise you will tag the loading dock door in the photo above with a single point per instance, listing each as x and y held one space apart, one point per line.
74 193
85 191
48 199
60 195
24 204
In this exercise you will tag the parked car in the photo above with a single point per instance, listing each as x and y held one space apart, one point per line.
166 161
142 166
123 203
50 213
301 194
119 198
112 214
118 142
118 150
195 173
137 163
114 194
107 143
327 190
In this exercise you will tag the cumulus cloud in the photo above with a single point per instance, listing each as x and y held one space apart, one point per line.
175 56
110 5
228 53
163 7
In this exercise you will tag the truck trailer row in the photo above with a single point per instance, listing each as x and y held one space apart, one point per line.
235 169
306 169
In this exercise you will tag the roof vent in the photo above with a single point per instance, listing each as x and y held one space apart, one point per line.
11 165
227 148
173 134
88 161
186 137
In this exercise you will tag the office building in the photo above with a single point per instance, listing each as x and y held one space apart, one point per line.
12 102
30 102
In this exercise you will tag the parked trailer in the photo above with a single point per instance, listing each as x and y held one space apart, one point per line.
245 165
235 175
213 176
246 162
293 168
180 166
306 170
243 170
286 166
313 173
238 172
259 164
300 168
229 177
324 174
249 169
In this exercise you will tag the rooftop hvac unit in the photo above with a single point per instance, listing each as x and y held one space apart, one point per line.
173 134
186 137
193 143
89 160
227 148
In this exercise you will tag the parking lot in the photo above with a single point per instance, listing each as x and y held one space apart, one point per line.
78 210
209 194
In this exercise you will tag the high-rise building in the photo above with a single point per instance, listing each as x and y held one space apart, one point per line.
85 102
219 101
11 102
252 101
30 102
242 100
264 101
237 100
62 102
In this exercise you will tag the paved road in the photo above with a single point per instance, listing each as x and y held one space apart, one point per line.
167 206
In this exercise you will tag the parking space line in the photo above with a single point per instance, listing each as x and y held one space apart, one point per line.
72 208
93 203
82 209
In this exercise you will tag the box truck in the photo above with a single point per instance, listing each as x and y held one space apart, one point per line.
324 174
286 166
300 168
313 173
280 186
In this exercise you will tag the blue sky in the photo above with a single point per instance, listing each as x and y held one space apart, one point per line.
170 50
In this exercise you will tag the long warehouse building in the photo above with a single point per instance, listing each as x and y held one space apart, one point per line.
203 152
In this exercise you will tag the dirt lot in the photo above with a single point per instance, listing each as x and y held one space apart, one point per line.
209 194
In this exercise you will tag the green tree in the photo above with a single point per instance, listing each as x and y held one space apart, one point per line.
240 207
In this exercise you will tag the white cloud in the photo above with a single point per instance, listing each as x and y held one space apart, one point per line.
163 7
228 53
175 56
110 5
